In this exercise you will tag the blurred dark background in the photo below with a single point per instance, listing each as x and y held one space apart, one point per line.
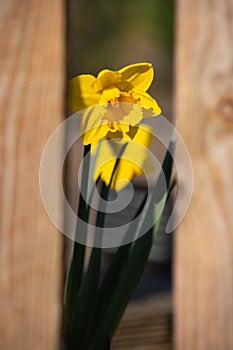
112 34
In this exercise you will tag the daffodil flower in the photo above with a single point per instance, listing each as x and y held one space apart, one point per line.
113 101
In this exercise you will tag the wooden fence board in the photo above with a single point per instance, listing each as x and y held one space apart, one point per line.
204 241
31 93
146 324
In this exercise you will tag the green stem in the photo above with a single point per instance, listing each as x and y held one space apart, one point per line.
89 289
87 301
113 274
75 274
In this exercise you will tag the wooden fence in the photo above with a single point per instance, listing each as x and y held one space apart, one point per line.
32 93
32 98
204 110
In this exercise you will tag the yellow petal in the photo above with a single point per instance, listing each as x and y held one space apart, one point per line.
132 132
93 124
106 78
126 97
136 153
124 174
122 134
105 166
94 135
134 160
104 162
110 95
81 93
139 75
146 101
144 135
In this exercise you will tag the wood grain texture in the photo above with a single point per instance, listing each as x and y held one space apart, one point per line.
204 110
31 93
146 325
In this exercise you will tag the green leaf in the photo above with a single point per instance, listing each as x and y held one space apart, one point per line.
128 264
129 279
168 162
91 182
75 274
112 275
87 300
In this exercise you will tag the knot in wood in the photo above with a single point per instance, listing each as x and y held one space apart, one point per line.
224 109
